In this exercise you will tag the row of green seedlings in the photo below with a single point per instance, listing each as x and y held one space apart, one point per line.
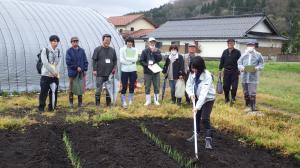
71 154
173 153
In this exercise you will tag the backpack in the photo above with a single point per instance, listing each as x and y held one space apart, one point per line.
39 63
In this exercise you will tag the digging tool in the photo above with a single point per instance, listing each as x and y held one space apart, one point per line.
195 133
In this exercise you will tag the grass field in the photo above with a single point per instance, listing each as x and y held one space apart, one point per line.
276 129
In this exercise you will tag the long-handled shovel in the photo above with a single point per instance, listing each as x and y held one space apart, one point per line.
195 134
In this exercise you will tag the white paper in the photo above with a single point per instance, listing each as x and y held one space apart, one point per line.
155 68
107 61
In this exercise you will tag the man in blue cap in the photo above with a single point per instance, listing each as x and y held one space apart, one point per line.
250 63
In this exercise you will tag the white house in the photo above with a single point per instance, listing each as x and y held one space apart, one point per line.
211 34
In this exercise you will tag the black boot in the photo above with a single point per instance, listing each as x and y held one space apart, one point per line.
247 101
108 100
179 101
97 100
173 99
71 99
80 101
253 103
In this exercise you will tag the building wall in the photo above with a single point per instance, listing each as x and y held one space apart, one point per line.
214 48
140 24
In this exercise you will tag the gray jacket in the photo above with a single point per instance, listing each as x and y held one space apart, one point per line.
52 64
251 58
205 92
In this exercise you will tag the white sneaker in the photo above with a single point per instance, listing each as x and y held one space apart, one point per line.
148 100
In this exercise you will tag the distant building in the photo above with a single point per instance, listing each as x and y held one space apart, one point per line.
136 26
211 34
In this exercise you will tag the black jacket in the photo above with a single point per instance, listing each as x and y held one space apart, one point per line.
104 60
178 67
146 56
229 60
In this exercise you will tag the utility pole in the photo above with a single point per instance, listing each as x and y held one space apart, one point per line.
233 9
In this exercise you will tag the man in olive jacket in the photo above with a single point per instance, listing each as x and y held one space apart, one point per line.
104 64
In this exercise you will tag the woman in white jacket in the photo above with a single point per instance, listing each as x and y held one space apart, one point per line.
128 59
200 89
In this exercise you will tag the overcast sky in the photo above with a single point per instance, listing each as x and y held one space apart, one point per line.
111 7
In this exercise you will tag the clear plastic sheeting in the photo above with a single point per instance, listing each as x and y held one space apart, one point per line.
25 28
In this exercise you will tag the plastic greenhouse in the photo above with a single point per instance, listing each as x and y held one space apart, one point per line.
25 28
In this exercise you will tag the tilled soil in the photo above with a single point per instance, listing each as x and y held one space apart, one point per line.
119 144
35 147
227 152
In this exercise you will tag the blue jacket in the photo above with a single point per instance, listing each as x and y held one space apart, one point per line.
74 59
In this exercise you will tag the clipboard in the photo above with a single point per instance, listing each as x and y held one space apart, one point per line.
250 68
155 68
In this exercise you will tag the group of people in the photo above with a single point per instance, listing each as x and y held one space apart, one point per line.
190 68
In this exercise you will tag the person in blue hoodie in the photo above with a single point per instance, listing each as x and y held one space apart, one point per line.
77 63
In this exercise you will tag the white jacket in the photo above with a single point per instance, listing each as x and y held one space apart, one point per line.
205 92
53 63
128 62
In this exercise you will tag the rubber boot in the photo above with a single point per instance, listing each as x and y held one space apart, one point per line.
130 98
253 103
148 100
179 101
173 99
71 99
247 100
208 143
108 100
97 100
80 101
156 99
123 101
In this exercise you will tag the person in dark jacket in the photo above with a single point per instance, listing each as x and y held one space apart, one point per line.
229 61
77 64
151 56
104 64
174 70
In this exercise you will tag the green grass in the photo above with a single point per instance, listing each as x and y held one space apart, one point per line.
174 154
71 154
14 123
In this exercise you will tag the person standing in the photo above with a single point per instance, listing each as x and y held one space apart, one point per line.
77 64
201 90
250 63
128 59
174 70
228 61
151 56
51 60
104 64
192 49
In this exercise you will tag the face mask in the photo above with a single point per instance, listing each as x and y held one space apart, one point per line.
173 52
249 49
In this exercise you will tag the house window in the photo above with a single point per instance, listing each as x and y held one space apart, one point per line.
176 43
132 29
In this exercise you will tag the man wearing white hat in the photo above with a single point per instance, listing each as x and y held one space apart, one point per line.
250 63
151 56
